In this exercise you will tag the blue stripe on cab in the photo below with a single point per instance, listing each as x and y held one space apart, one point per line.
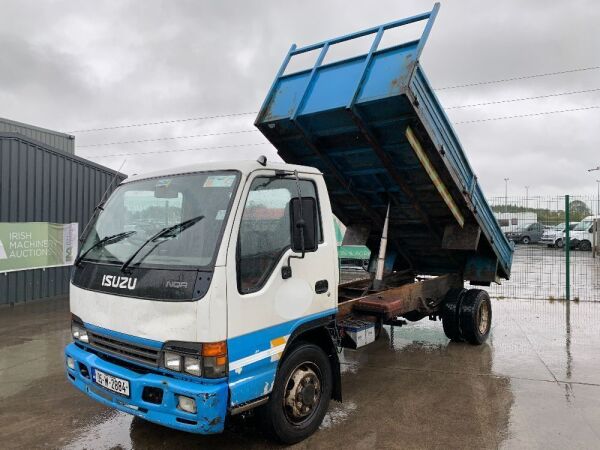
256 379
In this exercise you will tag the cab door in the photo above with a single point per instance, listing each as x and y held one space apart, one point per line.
264 307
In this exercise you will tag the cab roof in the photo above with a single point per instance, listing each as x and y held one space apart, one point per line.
243 166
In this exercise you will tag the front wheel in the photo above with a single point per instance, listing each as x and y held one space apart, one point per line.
300 396
559 243
526 240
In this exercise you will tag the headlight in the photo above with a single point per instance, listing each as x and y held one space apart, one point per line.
191 365
173 361
79 333
207 360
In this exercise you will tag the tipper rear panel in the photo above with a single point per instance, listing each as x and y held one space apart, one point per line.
373 125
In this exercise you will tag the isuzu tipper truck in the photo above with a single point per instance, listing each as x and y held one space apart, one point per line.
212 290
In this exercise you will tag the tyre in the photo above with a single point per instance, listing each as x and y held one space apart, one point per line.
300 395
585 246
559 243
450 314
525 240
475 316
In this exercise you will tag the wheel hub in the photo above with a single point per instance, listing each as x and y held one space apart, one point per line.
484 316
303 392
308 394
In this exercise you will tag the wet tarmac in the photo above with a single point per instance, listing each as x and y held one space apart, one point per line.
535 384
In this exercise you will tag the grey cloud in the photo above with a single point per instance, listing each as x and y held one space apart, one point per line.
72 65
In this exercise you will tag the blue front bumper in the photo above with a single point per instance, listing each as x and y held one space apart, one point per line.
211 398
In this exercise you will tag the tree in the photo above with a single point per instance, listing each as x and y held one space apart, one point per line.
579 210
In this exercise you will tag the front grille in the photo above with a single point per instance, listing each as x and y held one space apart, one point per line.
116 347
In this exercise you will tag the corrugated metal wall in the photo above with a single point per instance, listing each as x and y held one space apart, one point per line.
42 184
54 139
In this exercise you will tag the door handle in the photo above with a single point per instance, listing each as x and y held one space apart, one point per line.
321 286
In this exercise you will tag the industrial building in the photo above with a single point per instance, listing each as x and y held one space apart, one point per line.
44 187
54 139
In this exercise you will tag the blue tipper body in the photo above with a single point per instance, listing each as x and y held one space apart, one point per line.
351 119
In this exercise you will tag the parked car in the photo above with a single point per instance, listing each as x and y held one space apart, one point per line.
581 236
553 237
527 234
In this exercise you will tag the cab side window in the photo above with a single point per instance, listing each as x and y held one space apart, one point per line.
265 229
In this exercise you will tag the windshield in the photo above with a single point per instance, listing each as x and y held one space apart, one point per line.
139 210
583 225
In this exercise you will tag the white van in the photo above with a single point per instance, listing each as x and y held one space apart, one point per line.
581 236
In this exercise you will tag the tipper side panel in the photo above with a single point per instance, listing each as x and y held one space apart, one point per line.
376 130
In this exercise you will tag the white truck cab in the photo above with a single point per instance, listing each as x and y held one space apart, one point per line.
192 276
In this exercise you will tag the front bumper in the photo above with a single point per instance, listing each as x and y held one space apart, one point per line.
211 398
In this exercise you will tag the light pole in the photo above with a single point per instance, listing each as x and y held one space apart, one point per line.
506 195
598 198
597 181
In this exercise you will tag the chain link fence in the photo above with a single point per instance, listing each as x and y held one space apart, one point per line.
544 265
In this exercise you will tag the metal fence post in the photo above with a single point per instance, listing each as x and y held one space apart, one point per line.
567 251
594 238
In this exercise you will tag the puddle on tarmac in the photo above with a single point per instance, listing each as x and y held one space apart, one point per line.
337 414
114 428
112 432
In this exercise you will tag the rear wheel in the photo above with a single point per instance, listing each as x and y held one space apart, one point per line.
525 240
300 396
586 246
559 243
475 316
450 314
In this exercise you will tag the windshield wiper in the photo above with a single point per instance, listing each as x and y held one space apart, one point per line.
103 242
167 233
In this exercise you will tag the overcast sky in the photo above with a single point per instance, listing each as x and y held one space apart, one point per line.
72 65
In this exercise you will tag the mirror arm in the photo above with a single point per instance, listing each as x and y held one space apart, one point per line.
286 271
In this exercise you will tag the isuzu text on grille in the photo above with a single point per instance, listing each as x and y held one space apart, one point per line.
119 282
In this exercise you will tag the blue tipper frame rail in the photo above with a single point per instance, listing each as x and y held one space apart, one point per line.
373 125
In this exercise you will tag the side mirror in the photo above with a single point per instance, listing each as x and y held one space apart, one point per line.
304 226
